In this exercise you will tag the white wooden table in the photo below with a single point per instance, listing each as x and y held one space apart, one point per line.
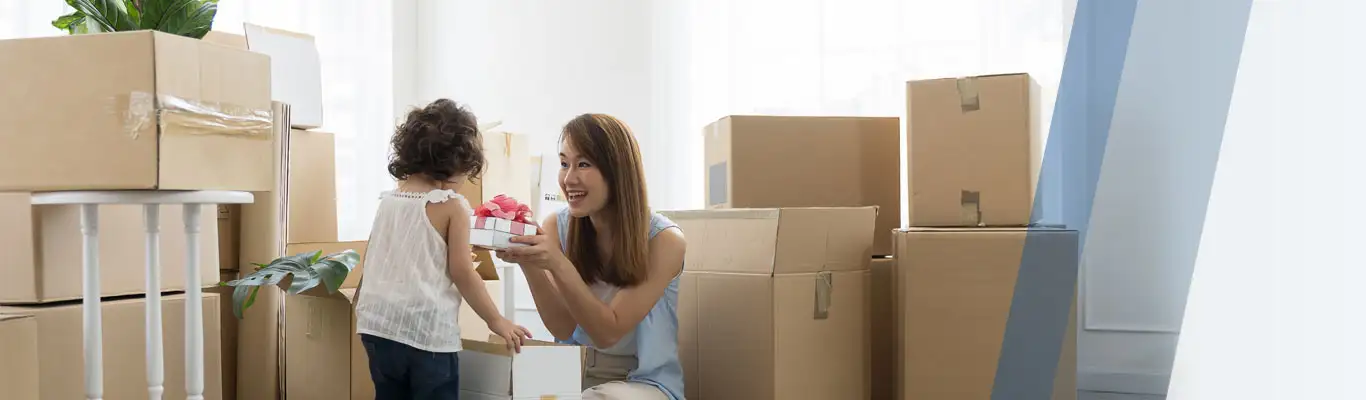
151 200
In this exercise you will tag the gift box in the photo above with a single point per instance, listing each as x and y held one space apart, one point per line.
498 220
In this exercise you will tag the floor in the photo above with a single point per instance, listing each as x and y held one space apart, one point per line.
1084 395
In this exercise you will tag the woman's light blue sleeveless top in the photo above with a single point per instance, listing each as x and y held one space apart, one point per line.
657 335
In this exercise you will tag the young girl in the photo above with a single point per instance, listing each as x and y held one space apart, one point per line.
419 245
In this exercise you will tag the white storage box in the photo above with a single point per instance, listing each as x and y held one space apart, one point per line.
543 370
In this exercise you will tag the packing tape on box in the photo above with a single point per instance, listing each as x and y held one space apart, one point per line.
195 117
825 283
970 212
968 97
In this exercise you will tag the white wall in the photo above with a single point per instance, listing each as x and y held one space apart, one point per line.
1151 200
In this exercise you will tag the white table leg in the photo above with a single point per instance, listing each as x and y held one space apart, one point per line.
90 302
194 308
155 361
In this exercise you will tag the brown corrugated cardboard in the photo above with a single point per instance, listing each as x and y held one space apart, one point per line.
766 161
125 348
321 347
970 299
228 324
262 240
973 150
883 327
773 303
506 173
229 246
160 112
312 187
353 278
473 327
42 245
19 345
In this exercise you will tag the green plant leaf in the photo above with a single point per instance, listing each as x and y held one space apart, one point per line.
307 270
134 10
70 22
109 15
192 18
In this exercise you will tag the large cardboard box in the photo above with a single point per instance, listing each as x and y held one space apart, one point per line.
229 245
883 318
766 161
773 303
19 345
42 257
156 111
353 278
312 187
974 150
986 311
323 355
543 370
125 348
262 239
508 173
228 325
473 327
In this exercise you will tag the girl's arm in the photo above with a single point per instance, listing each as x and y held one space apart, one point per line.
461 268
606 324
549 302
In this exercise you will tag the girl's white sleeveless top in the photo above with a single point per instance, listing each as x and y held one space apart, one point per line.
407 295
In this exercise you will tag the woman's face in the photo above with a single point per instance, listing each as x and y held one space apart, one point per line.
581 182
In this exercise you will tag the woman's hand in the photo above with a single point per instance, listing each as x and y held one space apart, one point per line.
511 333
540 252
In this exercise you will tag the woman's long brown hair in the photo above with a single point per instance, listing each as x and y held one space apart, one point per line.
609 144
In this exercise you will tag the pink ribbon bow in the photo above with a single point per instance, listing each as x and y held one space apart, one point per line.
504 207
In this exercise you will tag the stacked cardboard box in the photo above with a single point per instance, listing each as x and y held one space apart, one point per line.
160 112
978 301
971 298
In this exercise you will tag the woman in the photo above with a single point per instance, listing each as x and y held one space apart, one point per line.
604 272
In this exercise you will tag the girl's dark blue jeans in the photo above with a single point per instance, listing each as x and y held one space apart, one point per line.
401 372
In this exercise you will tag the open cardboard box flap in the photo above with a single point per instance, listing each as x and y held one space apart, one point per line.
541 370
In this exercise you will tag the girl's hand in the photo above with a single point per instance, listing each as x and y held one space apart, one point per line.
511 333
539 252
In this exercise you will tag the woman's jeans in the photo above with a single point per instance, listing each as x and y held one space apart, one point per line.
401 372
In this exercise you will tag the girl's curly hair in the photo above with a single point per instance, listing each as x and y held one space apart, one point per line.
440 140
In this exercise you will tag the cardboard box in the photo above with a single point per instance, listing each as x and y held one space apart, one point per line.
229 245
19 345
764 161
228 324
980 313
312 187
42 248
506 173
262 240
259 340
884 336
125 348
473 327
297 70
353 278
323 355
773 303
974 150
157 111
543 370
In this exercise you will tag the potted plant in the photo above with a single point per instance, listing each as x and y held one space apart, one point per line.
306 271
190 18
